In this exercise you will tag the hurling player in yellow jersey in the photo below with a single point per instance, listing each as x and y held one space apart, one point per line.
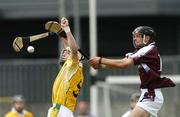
18 109
70 78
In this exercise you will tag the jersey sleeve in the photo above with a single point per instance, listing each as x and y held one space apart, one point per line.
144 55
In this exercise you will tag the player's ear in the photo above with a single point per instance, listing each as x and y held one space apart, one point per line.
146 39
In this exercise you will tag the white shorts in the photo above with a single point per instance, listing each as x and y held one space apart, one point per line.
151 105
63 112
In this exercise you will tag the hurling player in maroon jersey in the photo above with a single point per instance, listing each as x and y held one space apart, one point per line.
146 56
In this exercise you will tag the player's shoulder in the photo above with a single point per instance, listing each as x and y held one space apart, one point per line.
146 49
72 62
29 114
9 114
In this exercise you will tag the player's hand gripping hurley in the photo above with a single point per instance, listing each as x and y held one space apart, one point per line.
55 27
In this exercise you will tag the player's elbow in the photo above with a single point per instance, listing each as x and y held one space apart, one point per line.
74 49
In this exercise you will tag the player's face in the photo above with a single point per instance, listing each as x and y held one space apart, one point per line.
19 106
82 108
138 39
64 55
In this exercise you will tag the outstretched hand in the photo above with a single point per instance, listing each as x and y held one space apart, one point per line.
94 62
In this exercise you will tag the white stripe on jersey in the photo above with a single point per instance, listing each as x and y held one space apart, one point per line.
143 51
145 66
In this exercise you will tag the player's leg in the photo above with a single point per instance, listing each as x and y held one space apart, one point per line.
149 104
139 112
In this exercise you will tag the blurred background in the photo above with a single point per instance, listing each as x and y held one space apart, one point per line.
109 22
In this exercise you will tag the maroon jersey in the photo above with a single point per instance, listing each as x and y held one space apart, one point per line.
149 64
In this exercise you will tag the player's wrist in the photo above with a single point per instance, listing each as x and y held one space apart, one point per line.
101 65
100 61
67 29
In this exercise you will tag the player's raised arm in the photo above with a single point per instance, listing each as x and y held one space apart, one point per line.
70 41
65 41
